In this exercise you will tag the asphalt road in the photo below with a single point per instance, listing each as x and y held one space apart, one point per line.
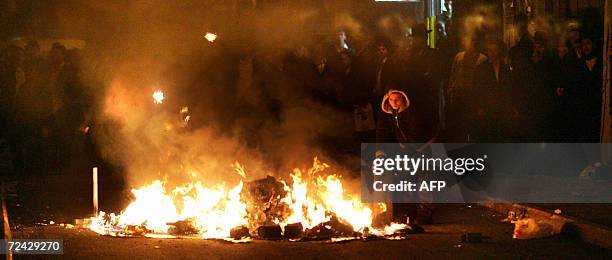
63 198
439 242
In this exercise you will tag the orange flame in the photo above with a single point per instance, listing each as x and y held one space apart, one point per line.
214 211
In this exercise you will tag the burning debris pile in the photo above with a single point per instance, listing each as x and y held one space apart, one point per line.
312 207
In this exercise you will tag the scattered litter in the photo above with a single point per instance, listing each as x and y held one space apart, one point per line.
51 222
156 247
457 246
514 216
588 171
529 228
410 229
511 217
557 211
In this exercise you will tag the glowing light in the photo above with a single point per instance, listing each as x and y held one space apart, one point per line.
211 37
158 97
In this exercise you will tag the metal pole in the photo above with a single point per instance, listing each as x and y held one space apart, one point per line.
95 191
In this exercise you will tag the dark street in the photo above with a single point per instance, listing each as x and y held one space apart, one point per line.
306 129
442 241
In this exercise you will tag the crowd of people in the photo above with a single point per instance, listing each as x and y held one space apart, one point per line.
543 89
43 106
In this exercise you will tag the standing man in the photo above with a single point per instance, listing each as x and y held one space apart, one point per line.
495 112
424 77
590 91
461 92
385 69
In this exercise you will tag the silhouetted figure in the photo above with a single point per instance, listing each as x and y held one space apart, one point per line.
423 77
385 71
565 83
461 96
538 97
495 112
12 79
590 91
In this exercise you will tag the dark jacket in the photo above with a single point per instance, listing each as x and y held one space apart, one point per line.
401 126
424 82
494 93
390 73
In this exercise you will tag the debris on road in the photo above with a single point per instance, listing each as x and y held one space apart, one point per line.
294 230
183 227
270 232
239 232
411 229
530 228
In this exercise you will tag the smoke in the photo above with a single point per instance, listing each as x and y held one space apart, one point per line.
482 20
242 105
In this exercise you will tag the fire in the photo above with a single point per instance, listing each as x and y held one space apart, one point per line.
185 115
158 97
211 37
213 211
150 198
313 206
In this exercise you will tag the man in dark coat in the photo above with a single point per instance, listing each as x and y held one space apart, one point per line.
12 78
565 81
424 80
495 113
386 69
589 94
460 92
